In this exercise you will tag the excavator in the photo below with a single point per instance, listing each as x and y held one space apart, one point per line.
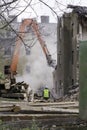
27 23
14 87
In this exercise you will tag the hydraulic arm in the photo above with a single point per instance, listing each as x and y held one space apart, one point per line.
34 25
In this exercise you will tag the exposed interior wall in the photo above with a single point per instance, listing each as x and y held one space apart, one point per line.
67 50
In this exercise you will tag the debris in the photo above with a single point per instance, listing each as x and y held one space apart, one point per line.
9 108
17 91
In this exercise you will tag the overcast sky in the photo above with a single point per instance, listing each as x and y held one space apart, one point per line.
36 8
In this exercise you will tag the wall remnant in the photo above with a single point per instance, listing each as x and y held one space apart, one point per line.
72 28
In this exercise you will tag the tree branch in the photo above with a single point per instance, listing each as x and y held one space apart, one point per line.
8 23
8 3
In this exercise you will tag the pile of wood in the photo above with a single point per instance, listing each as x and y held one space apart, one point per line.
30 107
17 91
56 107
9 108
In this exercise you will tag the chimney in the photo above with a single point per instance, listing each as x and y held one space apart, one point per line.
11 17
44 19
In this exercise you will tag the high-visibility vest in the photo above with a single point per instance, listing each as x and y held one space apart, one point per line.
46 93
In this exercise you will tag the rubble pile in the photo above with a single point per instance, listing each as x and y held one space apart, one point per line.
17 90
73 94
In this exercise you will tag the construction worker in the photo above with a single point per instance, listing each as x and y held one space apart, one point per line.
46 93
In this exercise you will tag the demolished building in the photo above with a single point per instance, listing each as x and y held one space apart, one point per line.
72 37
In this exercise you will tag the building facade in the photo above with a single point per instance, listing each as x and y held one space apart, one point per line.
71 31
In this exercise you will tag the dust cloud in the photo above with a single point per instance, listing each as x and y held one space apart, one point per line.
36 71
39 74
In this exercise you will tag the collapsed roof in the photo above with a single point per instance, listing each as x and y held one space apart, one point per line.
82 11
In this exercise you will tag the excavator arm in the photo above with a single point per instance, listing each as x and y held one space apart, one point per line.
34 25
18 45
50 61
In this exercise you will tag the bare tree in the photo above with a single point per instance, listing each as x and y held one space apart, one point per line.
8 7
